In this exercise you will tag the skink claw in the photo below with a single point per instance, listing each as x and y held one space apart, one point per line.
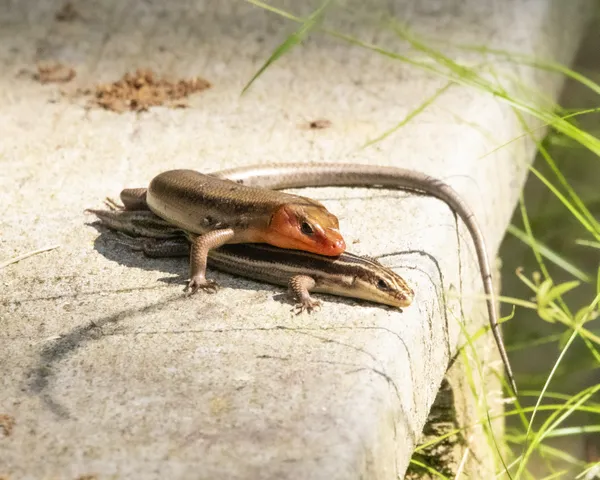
113 205
309 305
196 284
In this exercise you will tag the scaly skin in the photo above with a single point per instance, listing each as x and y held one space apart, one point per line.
220 212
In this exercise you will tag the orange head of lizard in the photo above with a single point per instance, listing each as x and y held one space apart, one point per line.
309 228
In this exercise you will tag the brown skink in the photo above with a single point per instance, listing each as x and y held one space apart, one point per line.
220 211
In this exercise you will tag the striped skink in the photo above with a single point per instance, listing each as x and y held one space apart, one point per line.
346 275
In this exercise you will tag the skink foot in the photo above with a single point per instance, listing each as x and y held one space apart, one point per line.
196 284
112 205
309 305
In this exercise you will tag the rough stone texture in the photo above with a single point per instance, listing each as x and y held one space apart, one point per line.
461 417
107 370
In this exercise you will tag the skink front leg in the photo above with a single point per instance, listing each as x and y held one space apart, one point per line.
300 286
198 258
180 247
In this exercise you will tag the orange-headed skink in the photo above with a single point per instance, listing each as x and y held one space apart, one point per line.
220 211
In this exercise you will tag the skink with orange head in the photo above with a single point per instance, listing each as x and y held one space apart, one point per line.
220 211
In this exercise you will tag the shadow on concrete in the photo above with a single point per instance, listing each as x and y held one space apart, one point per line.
39 378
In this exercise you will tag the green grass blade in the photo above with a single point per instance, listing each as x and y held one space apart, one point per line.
272 9
551 255
543 125
411 115
516 57
590 228
555 418
563 181
587 243
291 41
569 431
585 474
467 77
430 470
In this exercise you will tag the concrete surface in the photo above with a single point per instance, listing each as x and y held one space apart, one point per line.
108 371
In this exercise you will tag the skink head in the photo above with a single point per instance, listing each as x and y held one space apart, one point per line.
390 289
310 228
370 280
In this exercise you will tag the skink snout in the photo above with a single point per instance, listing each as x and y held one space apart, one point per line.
405 296
311 229
334 243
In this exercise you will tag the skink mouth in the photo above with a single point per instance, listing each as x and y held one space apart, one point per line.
404 299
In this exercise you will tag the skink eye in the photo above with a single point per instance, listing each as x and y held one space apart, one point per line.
306 229
382 285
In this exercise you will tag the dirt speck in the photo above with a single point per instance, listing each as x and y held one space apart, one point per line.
67 13
143 89
7 423
318 124
54 73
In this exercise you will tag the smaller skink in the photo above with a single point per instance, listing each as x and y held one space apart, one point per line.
346 275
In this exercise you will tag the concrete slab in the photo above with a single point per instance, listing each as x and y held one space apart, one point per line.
108 370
